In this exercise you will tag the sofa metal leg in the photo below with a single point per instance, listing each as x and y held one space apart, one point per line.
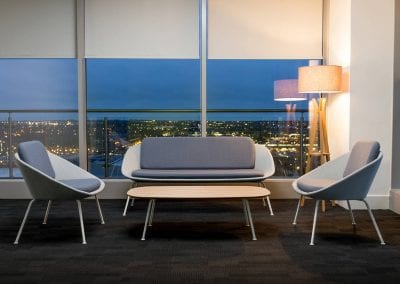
270 207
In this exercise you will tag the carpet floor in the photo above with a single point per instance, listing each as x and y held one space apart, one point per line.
196 242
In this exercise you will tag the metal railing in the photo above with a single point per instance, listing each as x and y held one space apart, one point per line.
107 142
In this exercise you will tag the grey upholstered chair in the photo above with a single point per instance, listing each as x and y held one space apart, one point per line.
348 177
50 177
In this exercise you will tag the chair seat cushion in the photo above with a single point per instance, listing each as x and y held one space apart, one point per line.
86 184
197 174
313 184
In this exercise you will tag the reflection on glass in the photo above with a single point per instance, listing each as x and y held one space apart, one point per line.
286 139
110 134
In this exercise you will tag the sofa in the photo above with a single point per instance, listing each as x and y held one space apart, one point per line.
198 159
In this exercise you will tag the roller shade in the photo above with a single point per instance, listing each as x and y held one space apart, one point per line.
37 29
142 29
265 29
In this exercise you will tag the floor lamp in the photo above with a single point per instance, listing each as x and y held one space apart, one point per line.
319 79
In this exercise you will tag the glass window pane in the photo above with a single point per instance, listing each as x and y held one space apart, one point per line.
40 101
110 135
57 131
285 135
248 84
240 102
129 99
143 83
38 84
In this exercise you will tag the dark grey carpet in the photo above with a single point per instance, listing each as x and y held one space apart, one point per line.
196 242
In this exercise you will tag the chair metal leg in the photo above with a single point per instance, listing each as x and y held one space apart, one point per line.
152 213
23 221
47 212
246 217
374 222
81 221
270 207
132 201
264 203
314 223
246 202
297 211
353 222
147 219
126 206
99 208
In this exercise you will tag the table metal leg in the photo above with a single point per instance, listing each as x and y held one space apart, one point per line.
246 217
246 202
147 218
297 211
152 213
126 206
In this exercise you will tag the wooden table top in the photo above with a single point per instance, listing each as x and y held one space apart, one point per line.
198 192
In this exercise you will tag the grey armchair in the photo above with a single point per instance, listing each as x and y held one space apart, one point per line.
348 177
50 177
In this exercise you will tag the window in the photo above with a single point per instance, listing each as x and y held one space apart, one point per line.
240 101
39 102
129 99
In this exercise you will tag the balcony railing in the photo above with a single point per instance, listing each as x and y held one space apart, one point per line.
111 131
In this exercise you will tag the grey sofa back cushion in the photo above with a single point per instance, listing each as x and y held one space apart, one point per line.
197 153
363 152
35 154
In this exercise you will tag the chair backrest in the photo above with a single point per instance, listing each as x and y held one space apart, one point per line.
362 153
197 153
34 153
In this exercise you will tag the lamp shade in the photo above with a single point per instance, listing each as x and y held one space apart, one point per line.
286 90
320 79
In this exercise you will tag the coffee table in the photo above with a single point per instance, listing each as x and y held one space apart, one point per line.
154 193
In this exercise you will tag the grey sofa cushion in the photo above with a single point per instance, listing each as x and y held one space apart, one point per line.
86 184
313 184
197 174
35 154
197 153
363 152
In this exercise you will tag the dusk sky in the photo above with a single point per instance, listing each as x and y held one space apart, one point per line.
144 83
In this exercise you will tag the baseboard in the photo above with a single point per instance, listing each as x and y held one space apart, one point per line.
394 203
117 188
280 189
374 201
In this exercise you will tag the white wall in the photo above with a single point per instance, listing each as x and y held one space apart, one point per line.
337 52
360 34
371 83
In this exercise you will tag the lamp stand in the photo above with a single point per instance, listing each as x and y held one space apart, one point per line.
318 127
